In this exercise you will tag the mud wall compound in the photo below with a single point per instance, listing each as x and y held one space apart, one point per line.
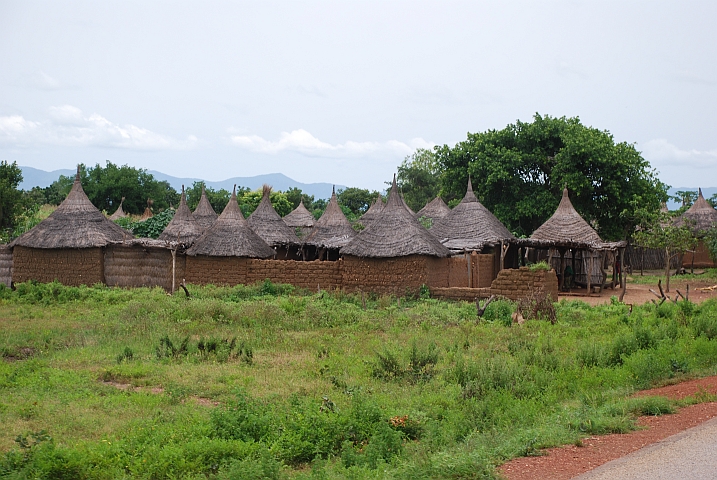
5 265
69 266
521 283
137 266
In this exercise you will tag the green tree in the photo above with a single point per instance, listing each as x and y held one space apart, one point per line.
10 196
250 200
711 242
357 200
105 187
685 197
58 190
519 173
419 178
713 200
218 199
295 196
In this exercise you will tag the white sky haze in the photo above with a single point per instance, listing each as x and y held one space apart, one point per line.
342 91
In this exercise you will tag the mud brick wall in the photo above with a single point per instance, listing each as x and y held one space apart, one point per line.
137 266
520 283
702 257
309 275
201 270
460 293
481 270
397 276
457 271
69 266
5 265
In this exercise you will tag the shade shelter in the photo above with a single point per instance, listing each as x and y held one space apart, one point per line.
119 213
300 219
331 232
204 214
373 211
700 217
271 228
435 210
68 245
183 228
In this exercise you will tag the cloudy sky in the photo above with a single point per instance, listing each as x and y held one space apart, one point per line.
342 91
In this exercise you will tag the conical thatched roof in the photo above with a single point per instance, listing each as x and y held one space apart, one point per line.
566 227
469 225
701 216
435 210
119 213
204 214
147 211
269 225
373 211
231 236
183 228
300 217
394 233
332 230
75 224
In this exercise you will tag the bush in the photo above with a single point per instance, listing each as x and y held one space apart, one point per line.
500 311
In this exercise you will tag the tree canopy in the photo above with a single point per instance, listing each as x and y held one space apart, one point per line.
218 199
419 178
10 196
519 173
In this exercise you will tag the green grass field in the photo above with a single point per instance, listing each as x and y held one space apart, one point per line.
267 382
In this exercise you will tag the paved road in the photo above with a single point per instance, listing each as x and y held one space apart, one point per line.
691 455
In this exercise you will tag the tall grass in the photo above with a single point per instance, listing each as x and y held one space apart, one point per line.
267 381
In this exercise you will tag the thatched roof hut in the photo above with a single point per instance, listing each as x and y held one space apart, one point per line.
76 223
119 213
373 211
231 236
566 228
204 214
701 216
269 225
435 210
299 217
332 230
183 228
394 233
470 225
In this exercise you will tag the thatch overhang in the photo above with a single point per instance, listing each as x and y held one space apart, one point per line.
76 223
394 233
470 226
204 214
332 230
183 228
119 213
700 217
300 217
269 225
373 211
436 209
231 236
566 229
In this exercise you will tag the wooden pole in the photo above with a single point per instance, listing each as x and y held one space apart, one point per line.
468 263
562 269
174 269
623 282
590 270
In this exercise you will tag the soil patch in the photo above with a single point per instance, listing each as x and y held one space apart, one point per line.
570 461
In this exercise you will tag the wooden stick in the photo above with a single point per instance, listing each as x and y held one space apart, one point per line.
655 293
659 285
481 310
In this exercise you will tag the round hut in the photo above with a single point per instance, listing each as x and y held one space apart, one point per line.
183 228
394 253
700 217
272 229
68 245
119 213
372 212
434 210
331 232
301 220
220 254
204 214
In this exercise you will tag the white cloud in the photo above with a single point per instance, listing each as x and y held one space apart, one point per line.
660 152
68 126
301 141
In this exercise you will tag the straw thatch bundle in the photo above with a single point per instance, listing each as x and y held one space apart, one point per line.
183 228
76 223
373 211
332 230
701 216
204 214
435 210
299 217
119 213
231 236
566 228
395 233
269 225
470 225
147 211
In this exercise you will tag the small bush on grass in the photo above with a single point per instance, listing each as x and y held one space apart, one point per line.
500 311
420 365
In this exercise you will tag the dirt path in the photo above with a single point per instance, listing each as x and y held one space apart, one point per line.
637 294
570 461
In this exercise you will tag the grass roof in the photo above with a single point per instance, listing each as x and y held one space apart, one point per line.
269 225
183 228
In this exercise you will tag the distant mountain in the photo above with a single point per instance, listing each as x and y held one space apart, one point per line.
33 177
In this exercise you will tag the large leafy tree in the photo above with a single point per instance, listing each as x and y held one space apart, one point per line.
356 200
519 173
218 199
10 196
419 178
